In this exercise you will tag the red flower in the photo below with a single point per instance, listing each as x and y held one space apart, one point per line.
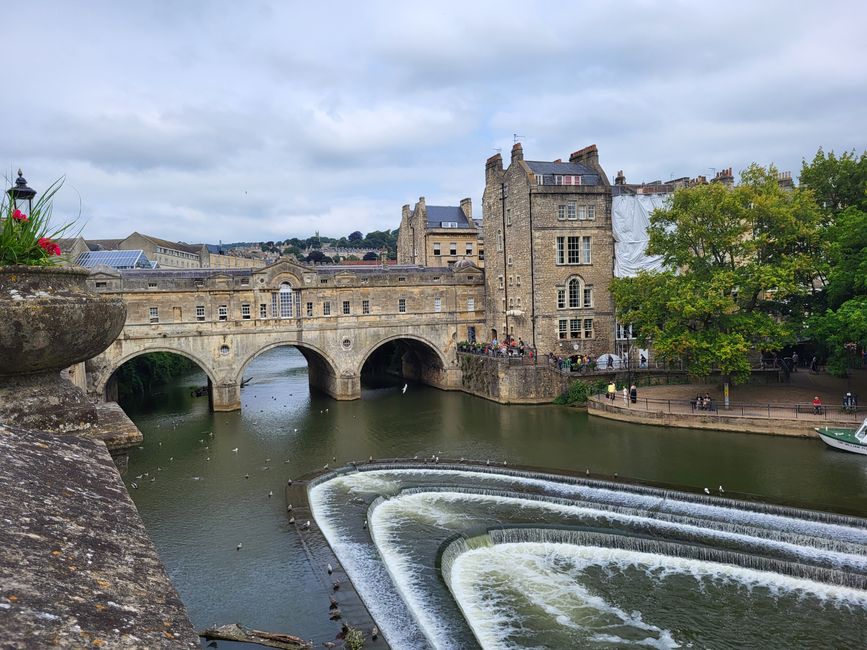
49 246
19 216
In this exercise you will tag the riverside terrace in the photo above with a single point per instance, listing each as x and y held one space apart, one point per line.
783 408
338 317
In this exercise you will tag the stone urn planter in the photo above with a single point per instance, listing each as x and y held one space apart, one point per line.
49 320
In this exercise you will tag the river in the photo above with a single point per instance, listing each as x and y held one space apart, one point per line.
204 478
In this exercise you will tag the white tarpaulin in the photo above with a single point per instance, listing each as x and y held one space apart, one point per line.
630 217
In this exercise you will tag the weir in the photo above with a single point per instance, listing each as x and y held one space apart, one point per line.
422 515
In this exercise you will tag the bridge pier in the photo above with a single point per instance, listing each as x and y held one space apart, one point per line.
226 396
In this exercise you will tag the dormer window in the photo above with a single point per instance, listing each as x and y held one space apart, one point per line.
449 224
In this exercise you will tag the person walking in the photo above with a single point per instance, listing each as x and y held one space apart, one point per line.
625 395
612 391
795 360
633 394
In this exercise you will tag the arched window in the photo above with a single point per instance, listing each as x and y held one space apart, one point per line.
283 301
574 292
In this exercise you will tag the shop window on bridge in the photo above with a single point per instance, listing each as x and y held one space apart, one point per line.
438 304
245 311
283 302
200 312
223 312
365 306
154 314
263 310
401 305
471 304
326 308
309 310
346 309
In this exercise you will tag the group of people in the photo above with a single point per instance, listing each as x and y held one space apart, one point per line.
508 347
704 402
629 394
575 363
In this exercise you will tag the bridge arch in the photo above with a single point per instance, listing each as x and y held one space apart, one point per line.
421 359
321 367
103 380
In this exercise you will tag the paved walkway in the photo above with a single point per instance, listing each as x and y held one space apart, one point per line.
778 408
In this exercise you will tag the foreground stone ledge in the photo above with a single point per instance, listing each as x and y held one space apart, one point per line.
77 569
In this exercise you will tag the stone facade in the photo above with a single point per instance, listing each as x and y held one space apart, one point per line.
550 251
439 235
336 316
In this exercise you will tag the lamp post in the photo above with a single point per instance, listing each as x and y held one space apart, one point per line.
21 195
850 349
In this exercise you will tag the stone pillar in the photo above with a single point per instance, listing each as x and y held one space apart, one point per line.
226 396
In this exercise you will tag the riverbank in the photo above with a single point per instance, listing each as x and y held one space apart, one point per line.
774 409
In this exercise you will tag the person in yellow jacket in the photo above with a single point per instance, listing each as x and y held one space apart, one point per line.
612 391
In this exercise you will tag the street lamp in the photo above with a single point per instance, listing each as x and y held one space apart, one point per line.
850 348
21 195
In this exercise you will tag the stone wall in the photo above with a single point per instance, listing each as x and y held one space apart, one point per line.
497 380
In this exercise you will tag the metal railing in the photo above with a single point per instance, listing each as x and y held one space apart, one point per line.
511 355
796 411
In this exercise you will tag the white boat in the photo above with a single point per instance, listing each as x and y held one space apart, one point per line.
854 440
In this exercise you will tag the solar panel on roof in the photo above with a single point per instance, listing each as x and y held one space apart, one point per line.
118 259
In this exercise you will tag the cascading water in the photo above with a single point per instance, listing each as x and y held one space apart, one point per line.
453 557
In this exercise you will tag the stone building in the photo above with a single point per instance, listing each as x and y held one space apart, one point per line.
439 235
550 249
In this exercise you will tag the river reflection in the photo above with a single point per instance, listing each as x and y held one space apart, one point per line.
206 498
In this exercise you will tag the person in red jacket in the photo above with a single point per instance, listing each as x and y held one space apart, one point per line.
817 405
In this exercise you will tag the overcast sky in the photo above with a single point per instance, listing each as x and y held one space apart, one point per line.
247 121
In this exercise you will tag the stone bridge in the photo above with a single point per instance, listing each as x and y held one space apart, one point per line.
337 317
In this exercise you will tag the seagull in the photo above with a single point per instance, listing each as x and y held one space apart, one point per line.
239 546
289 508
267 460
289 482
374 633
364 524
334 459
706 491
208 458
270 493
721 489
171 458
235 450
405 386
153 478
305 525
326 466
335 585
370 459
139 477
246 476
286 461
291 520
134 485
329 568
587 471
296 430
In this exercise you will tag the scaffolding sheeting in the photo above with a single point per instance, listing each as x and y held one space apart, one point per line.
630 218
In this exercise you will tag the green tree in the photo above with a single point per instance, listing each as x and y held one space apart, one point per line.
738 259
840 318
355 236
318 257
837 182
370 256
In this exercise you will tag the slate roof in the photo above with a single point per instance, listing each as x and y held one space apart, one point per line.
436 214
589 176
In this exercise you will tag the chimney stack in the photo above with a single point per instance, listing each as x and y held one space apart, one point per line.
588 156
517 152
620 179
467 207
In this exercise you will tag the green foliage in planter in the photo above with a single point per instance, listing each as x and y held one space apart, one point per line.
580 391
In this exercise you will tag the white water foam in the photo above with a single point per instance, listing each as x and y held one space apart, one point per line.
536 569
397 620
